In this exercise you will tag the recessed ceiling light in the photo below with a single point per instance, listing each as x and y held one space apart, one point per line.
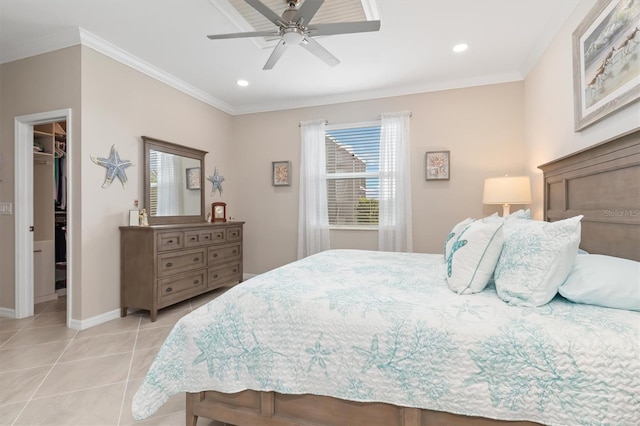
460 47
242 83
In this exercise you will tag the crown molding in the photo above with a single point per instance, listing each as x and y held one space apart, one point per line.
90 40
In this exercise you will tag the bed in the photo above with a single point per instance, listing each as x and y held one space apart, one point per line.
349 337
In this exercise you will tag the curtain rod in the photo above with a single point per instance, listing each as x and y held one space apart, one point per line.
326 122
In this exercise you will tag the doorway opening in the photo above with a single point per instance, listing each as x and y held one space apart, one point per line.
25 168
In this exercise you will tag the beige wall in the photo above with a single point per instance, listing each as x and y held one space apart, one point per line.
111 104
42 83
119 105
483 127
549 109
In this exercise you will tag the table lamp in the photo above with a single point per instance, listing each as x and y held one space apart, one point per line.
507 190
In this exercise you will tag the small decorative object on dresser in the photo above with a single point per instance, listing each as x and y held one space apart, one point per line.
219 211
437 165
166 264
281 173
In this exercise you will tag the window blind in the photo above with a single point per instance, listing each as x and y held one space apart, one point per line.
353 169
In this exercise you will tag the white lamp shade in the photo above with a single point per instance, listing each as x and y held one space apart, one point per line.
507 190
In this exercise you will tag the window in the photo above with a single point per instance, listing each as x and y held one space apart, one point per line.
353 171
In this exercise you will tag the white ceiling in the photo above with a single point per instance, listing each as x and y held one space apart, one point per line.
410 54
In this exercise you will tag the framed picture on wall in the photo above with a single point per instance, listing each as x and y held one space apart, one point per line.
281 173
193 178
437 165
606 69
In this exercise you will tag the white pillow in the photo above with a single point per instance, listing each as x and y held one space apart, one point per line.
606 281
536 259
473 256
448 243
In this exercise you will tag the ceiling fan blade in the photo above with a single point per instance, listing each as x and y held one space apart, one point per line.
275 55
266 12
343 28
314 47
239 35
307 11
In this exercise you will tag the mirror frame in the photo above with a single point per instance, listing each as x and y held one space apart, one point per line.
183 151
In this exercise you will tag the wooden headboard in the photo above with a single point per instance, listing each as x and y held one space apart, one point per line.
603 184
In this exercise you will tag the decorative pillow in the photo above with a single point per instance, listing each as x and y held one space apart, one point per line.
473 256
606 281
448 243
536 259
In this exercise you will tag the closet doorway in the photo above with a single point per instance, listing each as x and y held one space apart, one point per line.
37 152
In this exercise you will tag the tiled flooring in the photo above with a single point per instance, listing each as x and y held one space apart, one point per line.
52 375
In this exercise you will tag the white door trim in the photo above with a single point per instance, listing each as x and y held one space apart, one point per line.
23 213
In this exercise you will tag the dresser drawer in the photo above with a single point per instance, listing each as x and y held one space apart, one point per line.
169 240
223 253
187 260
204 236
234 233
178 287
224 275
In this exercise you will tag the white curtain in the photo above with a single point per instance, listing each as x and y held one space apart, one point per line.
394 227
169 189
313 219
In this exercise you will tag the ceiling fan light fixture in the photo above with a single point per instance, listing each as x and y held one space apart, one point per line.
461 47
242 83
292 35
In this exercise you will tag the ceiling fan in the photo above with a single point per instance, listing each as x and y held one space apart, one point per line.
294 28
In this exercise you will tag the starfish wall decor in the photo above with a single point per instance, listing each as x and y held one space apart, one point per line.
115 167
216 180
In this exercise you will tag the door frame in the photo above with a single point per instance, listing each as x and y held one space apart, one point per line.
23 190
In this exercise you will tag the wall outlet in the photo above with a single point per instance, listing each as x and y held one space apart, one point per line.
6 208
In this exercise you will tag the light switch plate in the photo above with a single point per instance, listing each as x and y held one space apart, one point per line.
6 207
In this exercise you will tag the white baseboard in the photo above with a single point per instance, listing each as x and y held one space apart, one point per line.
7 313
93 321
45 298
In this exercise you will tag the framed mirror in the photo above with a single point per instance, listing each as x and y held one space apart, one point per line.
173 182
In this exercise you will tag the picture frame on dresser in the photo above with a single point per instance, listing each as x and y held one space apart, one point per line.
606 46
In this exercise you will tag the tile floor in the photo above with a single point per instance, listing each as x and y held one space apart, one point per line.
52 375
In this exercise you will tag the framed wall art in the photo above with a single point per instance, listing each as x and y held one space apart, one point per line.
606 64
193 178
281 173
437 165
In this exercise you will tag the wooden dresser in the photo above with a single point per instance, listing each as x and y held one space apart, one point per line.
165 264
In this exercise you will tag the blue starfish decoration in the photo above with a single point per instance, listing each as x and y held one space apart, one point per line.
115 167
216 180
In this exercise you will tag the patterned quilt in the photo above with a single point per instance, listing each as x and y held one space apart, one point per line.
375 326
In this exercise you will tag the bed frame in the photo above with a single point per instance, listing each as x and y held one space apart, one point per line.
601 182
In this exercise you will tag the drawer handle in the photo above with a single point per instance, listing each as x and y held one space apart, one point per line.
168 290
234 251
235 270
196 282
169 265
37 251
169 241
193 238
196 259
215 275
206 237
215 254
